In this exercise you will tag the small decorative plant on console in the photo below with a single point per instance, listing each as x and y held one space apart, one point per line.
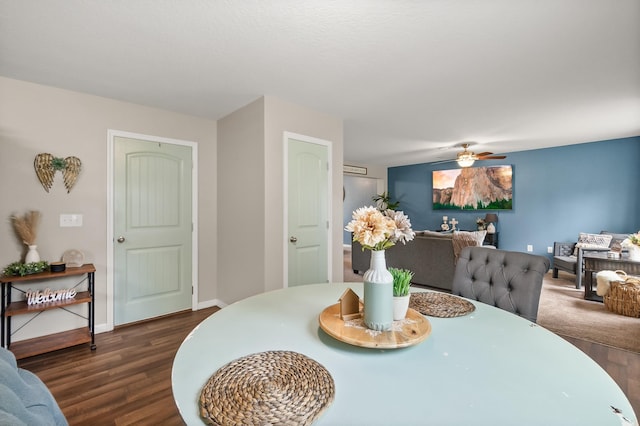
26 228
22 269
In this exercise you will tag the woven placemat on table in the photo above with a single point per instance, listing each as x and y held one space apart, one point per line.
267 388
440 305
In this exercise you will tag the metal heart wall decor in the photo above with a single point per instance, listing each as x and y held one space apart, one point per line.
47 165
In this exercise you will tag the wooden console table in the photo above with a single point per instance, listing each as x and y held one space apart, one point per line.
595 262
51 342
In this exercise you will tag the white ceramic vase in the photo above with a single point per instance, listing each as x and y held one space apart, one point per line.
32 255
491 228
378 293
400 307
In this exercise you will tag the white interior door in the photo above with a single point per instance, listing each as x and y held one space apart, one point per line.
152 229
308 213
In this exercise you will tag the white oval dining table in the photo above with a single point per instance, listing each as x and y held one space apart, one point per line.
488 367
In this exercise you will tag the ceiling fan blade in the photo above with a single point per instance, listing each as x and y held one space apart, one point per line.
484 154
493 157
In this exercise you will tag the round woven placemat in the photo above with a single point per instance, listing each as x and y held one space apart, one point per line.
267 388
440 305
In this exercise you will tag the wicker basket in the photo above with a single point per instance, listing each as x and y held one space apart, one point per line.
624 296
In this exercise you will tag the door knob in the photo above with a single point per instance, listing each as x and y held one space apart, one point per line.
120 239
293 239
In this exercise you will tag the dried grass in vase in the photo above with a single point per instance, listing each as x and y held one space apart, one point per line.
27 226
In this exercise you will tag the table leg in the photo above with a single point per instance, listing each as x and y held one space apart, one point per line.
589 294
4 308
92 312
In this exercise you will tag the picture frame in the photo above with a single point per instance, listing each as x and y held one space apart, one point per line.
473 188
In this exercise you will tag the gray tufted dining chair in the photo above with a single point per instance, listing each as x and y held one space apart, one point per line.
506 279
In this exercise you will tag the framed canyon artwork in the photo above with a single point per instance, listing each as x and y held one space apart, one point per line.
473 188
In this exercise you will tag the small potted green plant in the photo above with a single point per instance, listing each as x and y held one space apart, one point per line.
401 285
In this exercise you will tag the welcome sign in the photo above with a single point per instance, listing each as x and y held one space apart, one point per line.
48 296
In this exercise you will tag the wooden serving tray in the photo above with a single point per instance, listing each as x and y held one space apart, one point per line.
412 330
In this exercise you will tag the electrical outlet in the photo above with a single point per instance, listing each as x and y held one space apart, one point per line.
69 220
529 247
549 249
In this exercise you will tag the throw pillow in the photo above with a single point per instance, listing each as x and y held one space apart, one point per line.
593 241
477 236
615 238
463 239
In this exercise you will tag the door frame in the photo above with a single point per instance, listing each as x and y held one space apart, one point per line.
285 205
111 135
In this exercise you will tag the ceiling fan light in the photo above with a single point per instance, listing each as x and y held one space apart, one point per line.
465 160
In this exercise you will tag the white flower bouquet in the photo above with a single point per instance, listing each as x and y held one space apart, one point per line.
632 240
379 230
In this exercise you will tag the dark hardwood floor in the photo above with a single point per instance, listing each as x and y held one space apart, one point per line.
127 380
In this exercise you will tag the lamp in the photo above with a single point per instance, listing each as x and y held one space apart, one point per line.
491 218
465 160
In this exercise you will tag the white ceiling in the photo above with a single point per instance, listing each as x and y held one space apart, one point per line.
410 79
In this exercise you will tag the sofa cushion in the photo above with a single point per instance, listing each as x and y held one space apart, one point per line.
566 263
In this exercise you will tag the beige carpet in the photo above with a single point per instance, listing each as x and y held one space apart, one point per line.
564 311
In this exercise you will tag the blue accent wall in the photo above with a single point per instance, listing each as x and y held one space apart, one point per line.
557 193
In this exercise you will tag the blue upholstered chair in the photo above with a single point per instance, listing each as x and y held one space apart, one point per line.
508 280
24 398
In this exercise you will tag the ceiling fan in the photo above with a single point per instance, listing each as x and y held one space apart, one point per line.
466 158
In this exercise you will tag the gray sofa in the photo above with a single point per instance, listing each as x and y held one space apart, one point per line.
430 257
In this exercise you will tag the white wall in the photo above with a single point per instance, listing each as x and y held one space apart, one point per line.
251 229
359 192
283 116
373 172
241 221
35 119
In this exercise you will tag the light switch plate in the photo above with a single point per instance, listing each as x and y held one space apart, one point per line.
69 220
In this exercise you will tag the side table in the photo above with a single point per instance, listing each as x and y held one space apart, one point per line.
598 261
491 240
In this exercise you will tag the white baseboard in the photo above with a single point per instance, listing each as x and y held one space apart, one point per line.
211 303
104 328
